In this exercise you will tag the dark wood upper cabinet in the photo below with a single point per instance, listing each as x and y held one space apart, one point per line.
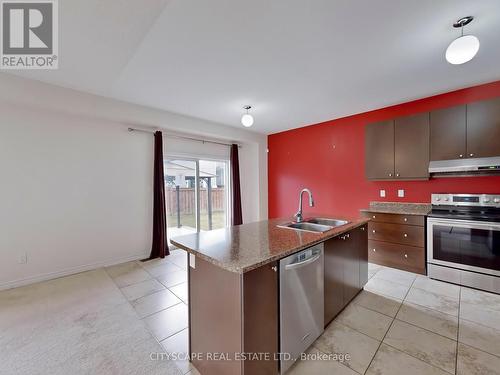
483 128
379 150
448 133
411 150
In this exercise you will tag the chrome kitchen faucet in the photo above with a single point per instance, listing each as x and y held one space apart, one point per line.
298 215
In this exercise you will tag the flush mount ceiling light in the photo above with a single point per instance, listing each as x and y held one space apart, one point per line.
465 47
247 118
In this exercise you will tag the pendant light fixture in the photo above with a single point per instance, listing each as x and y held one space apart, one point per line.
465 47
247 118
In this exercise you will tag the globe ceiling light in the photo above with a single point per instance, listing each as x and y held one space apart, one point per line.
247 118
465 47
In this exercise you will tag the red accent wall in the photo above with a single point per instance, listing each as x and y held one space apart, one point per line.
329 158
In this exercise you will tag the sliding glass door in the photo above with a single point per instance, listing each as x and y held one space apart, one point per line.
197 195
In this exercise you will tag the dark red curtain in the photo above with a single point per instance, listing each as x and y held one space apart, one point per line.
159 249
235 186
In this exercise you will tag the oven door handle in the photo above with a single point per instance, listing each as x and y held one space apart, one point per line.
470 224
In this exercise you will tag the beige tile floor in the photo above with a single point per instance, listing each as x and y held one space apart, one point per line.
159 298
108 321
403 323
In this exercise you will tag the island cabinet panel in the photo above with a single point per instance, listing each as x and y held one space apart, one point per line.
346 269
215 317
483 128
361 238
260 317
448 133
411 146
234 314
379 143
351 266
334 277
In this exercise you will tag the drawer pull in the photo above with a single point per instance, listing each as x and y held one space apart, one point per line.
406 255
362 228
374 250
373 216
406 235
373 231
347 235
405 219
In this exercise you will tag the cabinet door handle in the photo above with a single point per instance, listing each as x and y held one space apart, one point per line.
461 155
397 174
374 250
406 255
373 216
373 231
405 219
362 228
390 174
274 268
347 235
471 155
406 235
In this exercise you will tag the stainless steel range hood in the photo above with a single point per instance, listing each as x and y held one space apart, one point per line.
465 167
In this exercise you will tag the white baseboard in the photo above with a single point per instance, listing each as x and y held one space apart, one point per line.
69 271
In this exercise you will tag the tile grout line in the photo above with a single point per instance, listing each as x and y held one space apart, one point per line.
390 326
458 329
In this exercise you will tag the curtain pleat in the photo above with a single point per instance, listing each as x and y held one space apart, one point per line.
159 248
237 217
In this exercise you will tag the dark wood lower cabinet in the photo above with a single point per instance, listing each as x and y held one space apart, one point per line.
334 277
394 244
346 269
361 237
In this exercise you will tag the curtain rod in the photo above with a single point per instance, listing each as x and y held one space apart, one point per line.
183 137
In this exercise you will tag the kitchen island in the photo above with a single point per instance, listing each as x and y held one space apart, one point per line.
234 289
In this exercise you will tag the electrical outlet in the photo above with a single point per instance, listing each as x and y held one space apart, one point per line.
401 193
23 258
382 193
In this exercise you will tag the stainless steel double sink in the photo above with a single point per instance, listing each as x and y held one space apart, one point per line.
316 224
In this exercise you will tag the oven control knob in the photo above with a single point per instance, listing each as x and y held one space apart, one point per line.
446 199
486 200
496 200
438 199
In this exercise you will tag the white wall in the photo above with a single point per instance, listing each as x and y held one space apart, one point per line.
75 185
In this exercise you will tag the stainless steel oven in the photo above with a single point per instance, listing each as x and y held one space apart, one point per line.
463 240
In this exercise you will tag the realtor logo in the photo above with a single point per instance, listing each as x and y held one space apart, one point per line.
29 37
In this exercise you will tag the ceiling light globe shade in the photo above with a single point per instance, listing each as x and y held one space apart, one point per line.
462 49
247 120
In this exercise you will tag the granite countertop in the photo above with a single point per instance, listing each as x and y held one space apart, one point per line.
243 248
399 208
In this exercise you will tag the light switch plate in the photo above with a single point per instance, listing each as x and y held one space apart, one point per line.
401 193
382 193
192 261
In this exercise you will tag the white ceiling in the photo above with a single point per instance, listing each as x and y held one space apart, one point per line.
296 62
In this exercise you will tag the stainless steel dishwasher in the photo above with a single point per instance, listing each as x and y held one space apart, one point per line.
301 303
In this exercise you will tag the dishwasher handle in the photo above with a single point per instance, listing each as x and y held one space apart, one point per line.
304 262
